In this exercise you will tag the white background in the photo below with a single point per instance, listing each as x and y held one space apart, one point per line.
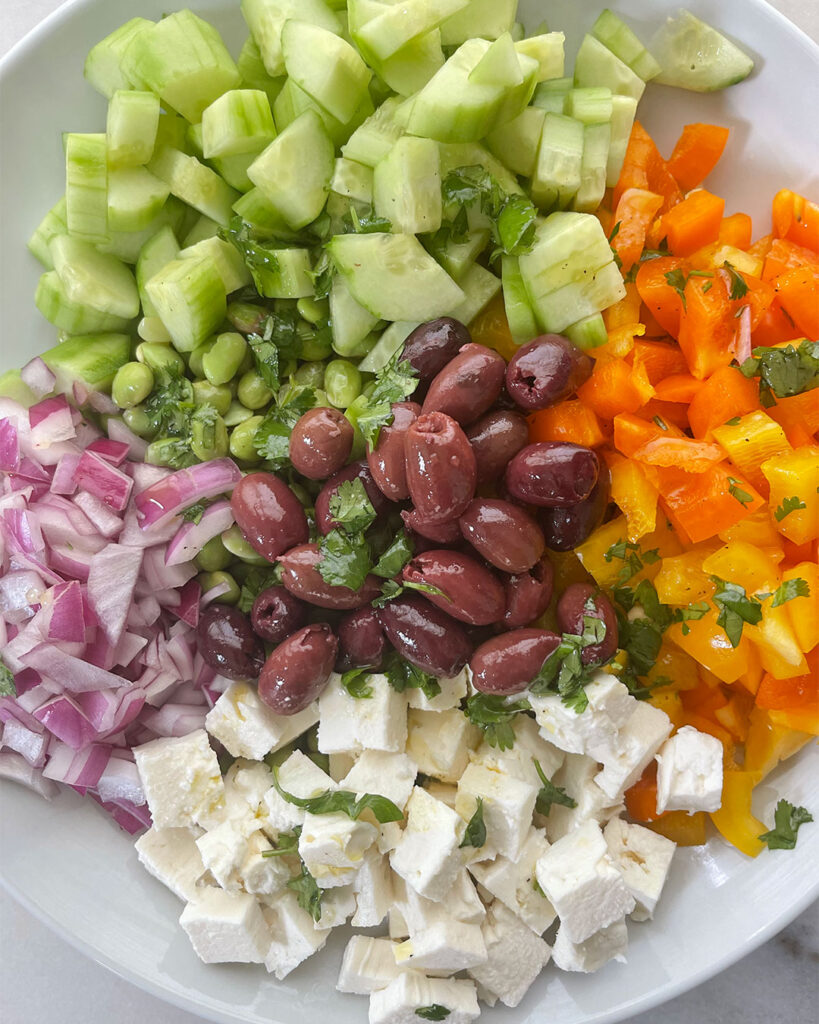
43 980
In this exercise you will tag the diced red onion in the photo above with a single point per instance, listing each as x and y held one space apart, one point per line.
111 580
175 719
213 594
74 675
64 480
70 561
65 720
37 377
21 532
161 687
108 523
135 537
81 768
118 430
67 622
13 766
9 446
129 646
32 745
105 481
188 608
161 576
19 590
184 488
115 452
192 537
51 421
120 781
130 818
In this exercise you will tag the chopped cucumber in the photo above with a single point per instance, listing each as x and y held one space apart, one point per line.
291 278
91 278
565 243
479 286
373 139
593 293
616 36
254 74
326 67
127 245
499 66
623 112
237 123
590 105
190 300
135 198
173 131
69 316
472 154
266 18
548 51
553 96
557 174
517 142
596 142
353 179
53 224
194 183
86 186
519 312
409 70
588 333
103 65
693 55
393 27
234 170
261 215
407 186
201 229
457 257
596 65
133 119
225 257
352 323
12 386
293 101
394 277
488 19
390 342
93 359
157 253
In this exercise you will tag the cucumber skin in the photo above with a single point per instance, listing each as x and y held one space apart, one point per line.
51 300
93 358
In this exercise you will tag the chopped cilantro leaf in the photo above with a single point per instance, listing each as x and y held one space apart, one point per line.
677 280
272 439
402 676
170 405
433 1012
8 687
788 591
342 801
307 892
395 557
784 372
739 289
550 794
259 258
734 420
194 513
787 820
475 834
287 844
350 507
257 580
345 559
355 682
788 505
736 491
366 222
494 715
395 383
735 609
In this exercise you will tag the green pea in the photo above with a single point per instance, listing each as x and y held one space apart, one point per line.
236 544
139 421
195 358
253 392
151 328
342 382
160 357
208 580
169 451
217 395
315 348
236 414
222 362
213 556
209 436
246 317
241 440
132 384
310 374
313 310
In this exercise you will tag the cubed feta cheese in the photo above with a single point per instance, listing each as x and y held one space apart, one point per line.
508 806
182 781
520 759
349 724
427 856
260 875
373 890
448 946
513 883
332 847
337 906
398 929
576 777
418 913
610 943
223 849
172 856
246 783
453 691
579 878
301 777
368 966
443 791
439 742
295 935
515 956
637 743
689 772
594 731
247 727
390 836
643 858
389 775
226 927
397 1003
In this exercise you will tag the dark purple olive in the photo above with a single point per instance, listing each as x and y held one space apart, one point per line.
437 533
546 371
269 514
425 636
564 529
470 592
496 439
509 662
361 640
432 345
276 614
321 443
528 594
441 470
467 386
298 670
357 470
552 474
503 533
582 600
227 642
386 461
301 577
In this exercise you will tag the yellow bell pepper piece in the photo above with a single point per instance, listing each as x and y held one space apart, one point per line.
734 819
682 580
744 262
636 497
753 677
752 441
592 553
670 702
795 475
803 612
624 312
803 721
776 642
707 643
757 529
681 828
745 565
676 665
768 743
735 717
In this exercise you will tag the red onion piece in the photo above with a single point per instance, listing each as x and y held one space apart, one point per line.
104 481
192 537
37 377
111 580
178 491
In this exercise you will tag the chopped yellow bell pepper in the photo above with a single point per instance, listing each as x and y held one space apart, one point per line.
753 677
752 441
635 495
735 716
676 665
626 311
592 553
734 819
757 529
795 475
744 262
681 828
776 642
682 580
669 701
802 721
803 612
707 643
745 565
768 743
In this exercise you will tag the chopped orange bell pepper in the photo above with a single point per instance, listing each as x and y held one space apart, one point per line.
798 294
795 475
767 743
641 799
796 219
620 342
707 643
683 452
708 327
697 153
703 504
801 721
679 387
803 612
644 168
614 387
726 394
662 300
752 441
736 230
672 414
635 212
681 828
694 222
800 693
661 359
635 495
734 819
631 432
567 421
774 327
784 256
798 416
592 552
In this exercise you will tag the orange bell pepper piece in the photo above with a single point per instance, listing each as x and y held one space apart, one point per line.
694 222
703 503
613 387
796 219
681 828
635 496
795 475
736 230
691 456
671 413
697 153
661 298
679 387
641 799
567 421
644 168
774 327
708 327
734 819
798 294
631 432
635 212
801 721
784 255
707 643
799 693
798 416
660 359
727 393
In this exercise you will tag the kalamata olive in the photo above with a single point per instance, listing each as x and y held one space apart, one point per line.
581 600
386 460
301 577
227 642
564 529
509 662
471 593
425 636
438 533
361 639
432 345
496 439
503 533
468 386
546 371
528 594
269 514
441 470
552 474
321 443
357 470
276 614
298 670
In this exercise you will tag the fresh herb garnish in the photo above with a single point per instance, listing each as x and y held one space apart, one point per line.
677 280
787 591
334 801
287 844
784 372
734 420
739 288
356 683
272 439
395 383
345 559
8 688
494 715
513 217
736 491
395 557
194 513
402 675
307 892
632 556
257 580
259 258
550 794
563 672
322 276
475 834
692 613
788 505
787 820
365 222
735 609
170 405
351 508
433 1012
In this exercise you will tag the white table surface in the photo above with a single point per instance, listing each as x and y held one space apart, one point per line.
44 980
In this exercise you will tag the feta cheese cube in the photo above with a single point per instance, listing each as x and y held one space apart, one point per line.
223 849
513 883
637 743
579 878
689 772
389 775
332 847
301 777
295 935
246 783
577 777
427 856
349 724
226 927
390 836
397 1003
257 874
643 858
398 928
172 856
520 759
182 781
594 731
515 956
246 727
448 946
508 806
373 890
368 966
610 943
418 913
439 742
443 791
453 691
337 906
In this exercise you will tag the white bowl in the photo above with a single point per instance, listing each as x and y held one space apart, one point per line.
72 867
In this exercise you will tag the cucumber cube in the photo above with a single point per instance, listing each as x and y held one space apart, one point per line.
373 139
590 105
623 112
407 186
457 257
91 278
411 67
201 229
133 119
157 253
69 316
596 141
553 96
238 122
353 179
86 186
225 257
261 215
266 18
616 36
326 67
50 226
479 286
127 245
234 170
594 293
564 244
189 297
395 26
559 161
499 66
588 333
293 101
595 66
694 55
93 359
12 386
351 321
548 51
103 65
291 279
390 342
135 197
173 131
195 184
488 19
254 74
519 312
517 142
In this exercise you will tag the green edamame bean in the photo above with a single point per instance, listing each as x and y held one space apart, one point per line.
209 436
252 392
217 395
139 421
151 328
241 440
222 362
214 556
236 414
246 317
195 358
342 382
169 451
315 347
208 580
313 310
310 374
236 544
159 356
132 384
